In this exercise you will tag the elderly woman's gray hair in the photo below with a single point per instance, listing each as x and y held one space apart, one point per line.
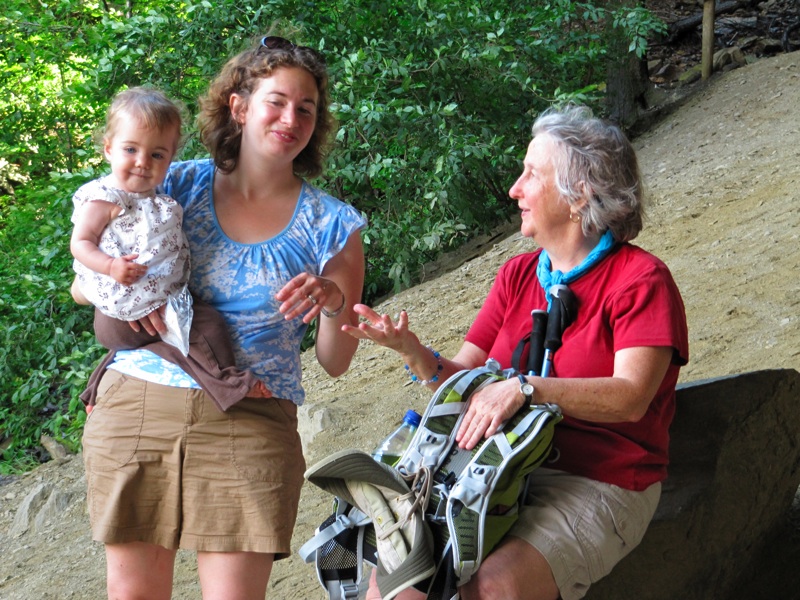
597 163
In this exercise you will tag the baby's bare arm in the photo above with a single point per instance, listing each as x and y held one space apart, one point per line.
92 219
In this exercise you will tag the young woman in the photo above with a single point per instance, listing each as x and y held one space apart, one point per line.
165 468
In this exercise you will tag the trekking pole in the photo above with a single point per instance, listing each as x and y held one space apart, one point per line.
538 328
562 313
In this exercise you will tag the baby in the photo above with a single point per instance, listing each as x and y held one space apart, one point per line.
131 255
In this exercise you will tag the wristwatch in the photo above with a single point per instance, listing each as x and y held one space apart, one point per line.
526 388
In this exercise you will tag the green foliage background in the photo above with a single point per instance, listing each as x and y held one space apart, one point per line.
434 100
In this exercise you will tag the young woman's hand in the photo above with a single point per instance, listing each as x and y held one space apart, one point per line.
307 294
153 323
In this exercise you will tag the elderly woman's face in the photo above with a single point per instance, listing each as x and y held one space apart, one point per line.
543 214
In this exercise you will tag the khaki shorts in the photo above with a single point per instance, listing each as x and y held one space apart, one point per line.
582 527
165 466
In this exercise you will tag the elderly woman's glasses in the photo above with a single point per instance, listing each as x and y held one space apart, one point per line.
274 42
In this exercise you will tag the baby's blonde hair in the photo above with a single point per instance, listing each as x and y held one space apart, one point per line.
150 106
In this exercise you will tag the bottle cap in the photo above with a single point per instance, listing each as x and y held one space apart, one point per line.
412 417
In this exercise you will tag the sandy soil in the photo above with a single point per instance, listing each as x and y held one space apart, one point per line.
724 179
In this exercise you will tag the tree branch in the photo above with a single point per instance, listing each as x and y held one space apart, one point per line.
678 28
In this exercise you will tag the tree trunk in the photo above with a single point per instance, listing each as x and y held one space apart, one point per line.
626 75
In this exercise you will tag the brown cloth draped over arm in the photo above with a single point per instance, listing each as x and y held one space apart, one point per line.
210 361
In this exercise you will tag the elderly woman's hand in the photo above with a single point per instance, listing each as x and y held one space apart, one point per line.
307 294
488 409
382 330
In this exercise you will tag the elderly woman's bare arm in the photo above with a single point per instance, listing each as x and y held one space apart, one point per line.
420 359
623 397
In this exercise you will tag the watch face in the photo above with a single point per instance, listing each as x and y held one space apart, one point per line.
525 386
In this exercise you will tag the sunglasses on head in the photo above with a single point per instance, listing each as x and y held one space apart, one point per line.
274 42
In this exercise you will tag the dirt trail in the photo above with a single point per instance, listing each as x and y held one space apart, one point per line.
724 180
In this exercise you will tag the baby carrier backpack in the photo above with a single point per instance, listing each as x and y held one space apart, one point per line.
429 520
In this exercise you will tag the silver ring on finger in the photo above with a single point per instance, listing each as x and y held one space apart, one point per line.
312 299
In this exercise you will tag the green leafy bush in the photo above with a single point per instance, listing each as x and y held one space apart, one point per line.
47 348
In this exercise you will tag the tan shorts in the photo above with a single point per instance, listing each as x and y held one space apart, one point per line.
165 466
582 527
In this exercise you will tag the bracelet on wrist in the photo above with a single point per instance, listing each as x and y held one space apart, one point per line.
334 313
435 378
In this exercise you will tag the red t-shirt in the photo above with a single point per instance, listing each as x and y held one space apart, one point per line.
629 299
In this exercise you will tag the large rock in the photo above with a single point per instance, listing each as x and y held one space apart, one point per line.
734 471
43 506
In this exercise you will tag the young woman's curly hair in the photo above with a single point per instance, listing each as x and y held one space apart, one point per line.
222 134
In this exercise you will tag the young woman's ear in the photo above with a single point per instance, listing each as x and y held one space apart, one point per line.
238 108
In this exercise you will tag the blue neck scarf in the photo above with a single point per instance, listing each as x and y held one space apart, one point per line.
549 278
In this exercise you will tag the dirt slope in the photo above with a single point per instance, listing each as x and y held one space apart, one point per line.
724 180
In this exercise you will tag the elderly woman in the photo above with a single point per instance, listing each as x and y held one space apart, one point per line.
580 194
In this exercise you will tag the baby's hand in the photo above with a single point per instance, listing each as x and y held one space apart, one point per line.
125 271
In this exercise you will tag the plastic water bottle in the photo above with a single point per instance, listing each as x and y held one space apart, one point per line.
392 448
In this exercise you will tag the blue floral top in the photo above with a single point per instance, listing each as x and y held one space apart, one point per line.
241 280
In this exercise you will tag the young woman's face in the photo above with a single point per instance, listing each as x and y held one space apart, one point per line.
139 156
279 118
543 213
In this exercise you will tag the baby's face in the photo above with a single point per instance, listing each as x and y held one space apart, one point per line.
140 156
